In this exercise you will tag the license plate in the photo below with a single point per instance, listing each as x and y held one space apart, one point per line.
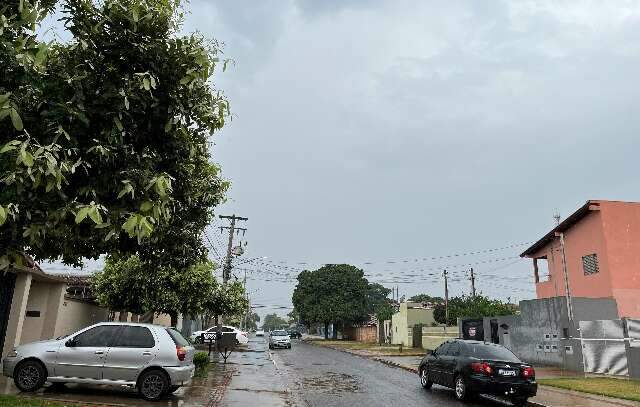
503 372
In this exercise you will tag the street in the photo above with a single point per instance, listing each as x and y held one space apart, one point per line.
318 376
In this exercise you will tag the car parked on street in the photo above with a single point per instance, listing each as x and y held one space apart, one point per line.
242 338
155 359
294 334
279 339
260 333
473 367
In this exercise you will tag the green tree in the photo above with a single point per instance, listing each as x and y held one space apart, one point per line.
472 307
273 321
227 299
376 296
104 141
426 298
335 293
294 317
128 284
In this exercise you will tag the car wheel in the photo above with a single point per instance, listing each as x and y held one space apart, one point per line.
289 347
424 379
519 401
197 340
29 376
462 393
153 384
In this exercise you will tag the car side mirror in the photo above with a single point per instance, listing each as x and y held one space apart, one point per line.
70 343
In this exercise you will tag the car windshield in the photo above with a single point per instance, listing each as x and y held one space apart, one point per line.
490 352
279 333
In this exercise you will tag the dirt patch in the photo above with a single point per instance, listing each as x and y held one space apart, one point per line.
333 383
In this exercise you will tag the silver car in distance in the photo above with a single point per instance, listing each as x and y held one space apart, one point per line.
155 359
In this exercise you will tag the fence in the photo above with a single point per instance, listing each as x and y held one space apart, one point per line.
432 337
367 334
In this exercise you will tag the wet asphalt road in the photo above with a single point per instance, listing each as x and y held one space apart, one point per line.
318 376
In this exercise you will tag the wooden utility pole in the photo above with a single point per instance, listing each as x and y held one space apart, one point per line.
226 269
446 300
473 283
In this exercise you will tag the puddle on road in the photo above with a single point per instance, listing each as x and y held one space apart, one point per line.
332 383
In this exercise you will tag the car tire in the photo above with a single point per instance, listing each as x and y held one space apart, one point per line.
424 379
520 401
153 384
30 375
460 388
289 347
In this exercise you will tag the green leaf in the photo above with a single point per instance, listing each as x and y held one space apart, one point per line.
4 98
145 84
130 224
110 235
27 159
118 123
82 214
95 216
185 80
153 82
167 126
146 206
15 119
3 216
9 146
136 16
4 262
126 103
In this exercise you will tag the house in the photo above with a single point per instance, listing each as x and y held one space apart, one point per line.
409 315
35 305
594 253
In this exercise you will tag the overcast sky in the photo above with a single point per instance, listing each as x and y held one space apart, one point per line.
377 131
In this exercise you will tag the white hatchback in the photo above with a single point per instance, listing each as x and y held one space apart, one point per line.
242 338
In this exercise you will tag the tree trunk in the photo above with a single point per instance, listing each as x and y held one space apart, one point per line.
334 333
123 316
174 319
326 330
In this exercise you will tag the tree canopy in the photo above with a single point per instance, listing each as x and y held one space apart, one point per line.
334 293
426 298
104 140
273 321
472 307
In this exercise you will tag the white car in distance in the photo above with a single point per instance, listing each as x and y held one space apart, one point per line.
242 338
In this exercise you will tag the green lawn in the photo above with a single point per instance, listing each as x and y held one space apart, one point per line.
13 401
618 388
382 350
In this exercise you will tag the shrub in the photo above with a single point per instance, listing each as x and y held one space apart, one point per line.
201 359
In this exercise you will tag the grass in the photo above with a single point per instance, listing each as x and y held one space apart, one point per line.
13 401
603 386
382 350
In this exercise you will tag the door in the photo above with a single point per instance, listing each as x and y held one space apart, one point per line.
436 363
83 355
7 284
449 362
133 348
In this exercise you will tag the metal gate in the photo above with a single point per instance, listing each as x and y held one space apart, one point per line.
603 347
7 284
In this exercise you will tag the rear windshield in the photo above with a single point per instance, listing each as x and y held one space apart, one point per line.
279 333
490 352
177 337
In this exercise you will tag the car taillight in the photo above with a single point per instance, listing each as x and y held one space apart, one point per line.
483 368
181 352
528 372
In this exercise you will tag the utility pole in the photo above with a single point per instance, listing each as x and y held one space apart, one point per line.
473 283
446 300
226 270
566 277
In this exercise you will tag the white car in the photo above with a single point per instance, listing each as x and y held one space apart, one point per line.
260 333
279 339
241 337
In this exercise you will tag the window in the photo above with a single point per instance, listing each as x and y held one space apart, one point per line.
491 352
98 337
134 337
454 349
177 337
565 332
590 264
541 269
442 349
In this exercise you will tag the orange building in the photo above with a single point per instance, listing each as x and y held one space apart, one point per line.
602 252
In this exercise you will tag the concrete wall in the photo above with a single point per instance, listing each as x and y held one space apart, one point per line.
77 314
406 318
37 302
367 334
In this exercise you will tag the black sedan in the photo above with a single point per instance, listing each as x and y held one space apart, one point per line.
293 334
472 367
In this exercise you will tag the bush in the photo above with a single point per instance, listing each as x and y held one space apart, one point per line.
201 360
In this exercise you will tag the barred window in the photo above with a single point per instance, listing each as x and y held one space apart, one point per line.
590 264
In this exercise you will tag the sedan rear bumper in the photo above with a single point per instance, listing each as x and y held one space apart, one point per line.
497 387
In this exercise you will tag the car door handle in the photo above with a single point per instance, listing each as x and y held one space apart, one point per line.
99 352
146 353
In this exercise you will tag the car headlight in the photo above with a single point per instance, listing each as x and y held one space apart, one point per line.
12 354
